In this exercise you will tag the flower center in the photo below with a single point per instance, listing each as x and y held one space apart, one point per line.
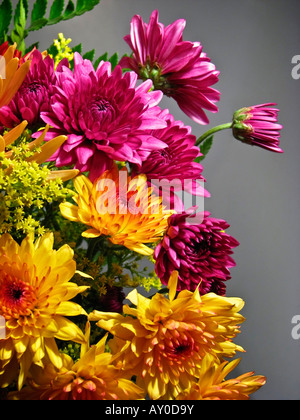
17 297
34 88
100 109
181 347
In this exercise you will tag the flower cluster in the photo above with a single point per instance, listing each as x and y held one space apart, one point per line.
94 180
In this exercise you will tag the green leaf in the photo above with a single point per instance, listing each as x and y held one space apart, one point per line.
30 48
38 24
205 148
103 57
21 13
77 48
5 17
70 11
39 10
18 33
114 59
56 10
89 55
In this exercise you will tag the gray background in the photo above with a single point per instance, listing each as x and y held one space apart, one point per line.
252 43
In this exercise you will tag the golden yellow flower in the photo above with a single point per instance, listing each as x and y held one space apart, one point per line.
163 341
34 299
45 151
92 377
211 384
13 77
126 211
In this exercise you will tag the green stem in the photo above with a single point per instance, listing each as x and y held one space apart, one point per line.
212 131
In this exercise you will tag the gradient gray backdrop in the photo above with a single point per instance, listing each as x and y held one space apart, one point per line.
252 43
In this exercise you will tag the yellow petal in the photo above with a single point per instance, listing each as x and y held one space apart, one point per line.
172 285
47 150
91 233
2 144
64 175
70 309
69 211
15 133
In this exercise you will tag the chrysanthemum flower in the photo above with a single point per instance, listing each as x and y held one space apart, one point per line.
14 75
44 151
104 115
92 377
163 341
180 69
211 384
258 126
174 164
35 294
200 252
34 94
123 209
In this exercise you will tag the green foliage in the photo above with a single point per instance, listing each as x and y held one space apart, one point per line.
205 148
58 12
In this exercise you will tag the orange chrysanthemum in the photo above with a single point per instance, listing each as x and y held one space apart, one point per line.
34 299
13 77
127 212
163 341
212 385
92 377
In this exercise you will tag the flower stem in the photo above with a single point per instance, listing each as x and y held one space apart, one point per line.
213 131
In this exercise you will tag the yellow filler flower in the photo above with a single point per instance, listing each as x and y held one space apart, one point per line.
40 152
212 385
34 299
12 75
92 377
123 209
163 341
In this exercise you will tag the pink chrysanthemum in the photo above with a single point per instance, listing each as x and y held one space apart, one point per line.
175 165
257 125
179 68
199 252
104 115
34 95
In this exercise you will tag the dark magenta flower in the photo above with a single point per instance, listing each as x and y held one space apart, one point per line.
180 69
34 95
201 253
257 125
104 115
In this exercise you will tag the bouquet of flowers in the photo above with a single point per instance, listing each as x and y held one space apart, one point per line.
112 274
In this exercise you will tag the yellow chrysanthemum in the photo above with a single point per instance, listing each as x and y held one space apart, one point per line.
34 299
163 341
92 377
127 212
40 156
13 77
212 385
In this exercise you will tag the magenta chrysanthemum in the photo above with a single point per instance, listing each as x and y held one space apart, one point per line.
34 95
175 165
257 125
178 68
200 253
104 115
